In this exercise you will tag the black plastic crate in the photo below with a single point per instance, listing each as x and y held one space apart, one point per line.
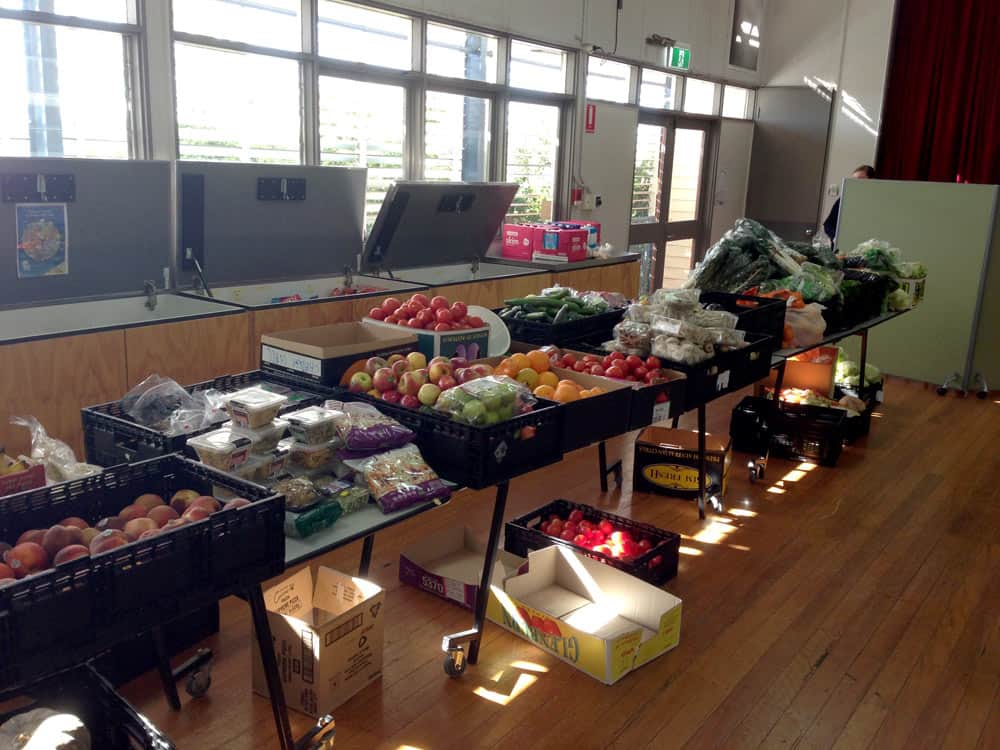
479 457
561 334
856 428
866 301
591 420
809 433
113 723
726 372
761 315
111 437
523 534
60 617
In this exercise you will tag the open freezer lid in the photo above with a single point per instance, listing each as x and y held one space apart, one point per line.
436 223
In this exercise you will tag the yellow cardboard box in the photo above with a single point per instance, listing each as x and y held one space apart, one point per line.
598 619
327 638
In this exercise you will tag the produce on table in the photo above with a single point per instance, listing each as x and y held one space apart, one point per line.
412 381
560 304
9 465
852 405
614 365
435 314
38 550
598 536
746 256
486 401
847 372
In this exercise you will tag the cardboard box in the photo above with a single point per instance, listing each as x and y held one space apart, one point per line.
666 462
29 479
327 638
324 353
594 617
812 370
471 344
520 240
449 565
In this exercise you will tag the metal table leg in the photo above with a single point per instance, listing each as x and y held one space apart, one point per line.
163 667
265 641
615 468
453 645
759 467
366 555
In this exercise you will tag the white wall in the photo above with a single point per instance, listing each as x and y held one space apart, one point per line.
843 44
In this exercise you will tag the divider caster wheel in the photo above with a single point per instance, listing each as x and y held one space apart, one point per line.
455 662
198 682
756 469
942 391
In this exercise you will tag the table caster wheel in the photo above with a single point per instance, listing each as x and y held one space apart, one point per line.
455 663
199 682
756 470
942 391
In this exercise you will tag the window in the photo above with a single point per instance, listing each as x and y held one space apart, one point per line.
647 178
235 106
532 155
63 91
737 102
608 80
685 174
459 53
115 11
744 45
350 32
456 137
699 97
267 23
658 89
533 66
362 124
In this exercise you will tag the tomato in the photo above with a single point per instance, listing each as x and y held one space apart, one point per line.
585 525
620 537
425 316
596 370
555 527
403 313
567 535
555 517
603 549
570 526
651 375
606 527
568 360
391 319
420 299
403 322
441 327
475 321
444 316
633 361
544 527
415 323
596 537
391 304
591 359
580 539
653 363
438 302
661 398
607 361
414 308
580 366
632 378
617 355
377 313
576 516
656 561
459 310
645 545
615 372
640 372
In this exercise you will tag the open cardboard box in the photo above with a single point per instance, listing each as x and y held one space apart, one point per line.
666 462
327 638
598 619
468 343
449 564
323 354
30 479
804 371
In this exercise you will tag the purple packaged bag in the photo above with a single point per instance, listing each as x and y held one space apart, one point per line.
366 429
400 478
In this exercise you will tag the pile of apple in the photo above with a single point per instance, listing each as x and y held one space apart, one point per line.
412 381
427 314
72 538
599 536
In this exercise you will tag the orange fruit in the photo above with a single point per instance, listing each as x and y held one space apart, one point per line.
566 393
548 378
504 364
569 383
539 360
545 391
519 361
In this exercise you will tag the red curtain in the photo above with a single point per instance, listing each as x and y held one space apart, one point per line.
941 119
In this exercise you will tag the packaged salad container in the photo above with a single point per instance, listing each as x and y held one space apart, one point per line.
264 468
312 456
314 424
252 408
221 449
264 439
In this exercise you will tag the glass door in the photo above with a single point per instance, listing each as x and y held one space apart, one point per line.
668 197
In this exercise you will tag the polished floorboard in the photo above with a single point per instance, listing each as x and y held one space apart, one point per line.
847 607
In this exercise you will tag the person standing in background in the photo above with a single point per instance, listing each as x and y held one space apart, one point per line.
864 172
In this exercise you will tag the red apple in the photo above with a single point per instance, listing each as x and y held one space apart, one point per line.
87 535
162 514
457 363
410 401
108 540
176 523
384 380
135 527
447 382
374 364
74 521
438 370
393 359
58 537
32 535
393 397
148 501
26 558
409 384
400 368
72 552
131 511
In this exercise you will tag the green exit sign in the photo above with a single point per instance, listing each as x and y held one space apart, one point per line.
680 58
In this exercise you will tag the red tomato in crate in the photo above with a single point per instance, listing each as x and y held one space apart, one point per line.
425 317
603 549
415 308
391 304
620 537
420 299
633 361
597 370
377 313
617 355
640 372
653 363
438 302
580 366
544 527
555 517
607 361
591 359
459 310
415 323
391 319
475 321
652 375
555 527
585 525
632 378
576 516
596 537
570 526
444 316
615 372
441 327
606 527
580 539
403 322
644 546
567 535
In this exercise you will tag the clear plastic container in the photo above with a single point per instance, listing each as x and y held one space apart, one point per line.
265 439
252 408
312 456
313 425
264 468
221 449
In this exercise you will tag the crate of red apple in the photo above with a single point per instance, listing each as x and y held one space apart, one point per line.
93 560
639 549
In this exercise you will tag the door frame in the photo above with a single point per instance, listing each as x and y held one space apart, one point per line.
659 233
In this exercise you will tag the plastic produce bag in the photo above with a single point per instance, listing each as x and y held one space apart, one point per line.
204 409
486 401
682 329
899 300
713 318
686 352
913 270
876 255
632 335
57 457
400 478
365 428
154 400
814 283
806 324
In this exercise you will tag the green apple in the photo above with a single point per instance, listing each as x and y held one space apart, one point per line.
473 412
491 417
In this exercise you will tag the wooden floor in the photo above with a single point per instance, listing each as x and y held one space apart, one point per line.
849 607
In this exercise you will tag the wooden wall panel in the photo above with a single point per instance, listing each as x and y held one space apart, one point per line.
189 351
621 277
53 379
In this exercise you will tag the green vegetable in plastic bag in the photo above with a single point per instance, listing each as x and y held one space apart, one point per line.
899 300
913 270
814 283
878 255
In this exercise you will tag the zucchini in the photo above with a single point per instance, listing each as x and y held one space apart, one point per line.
538 316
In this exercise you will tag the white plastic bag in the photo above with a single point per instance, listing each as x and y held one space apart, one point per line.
57 457
807 324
